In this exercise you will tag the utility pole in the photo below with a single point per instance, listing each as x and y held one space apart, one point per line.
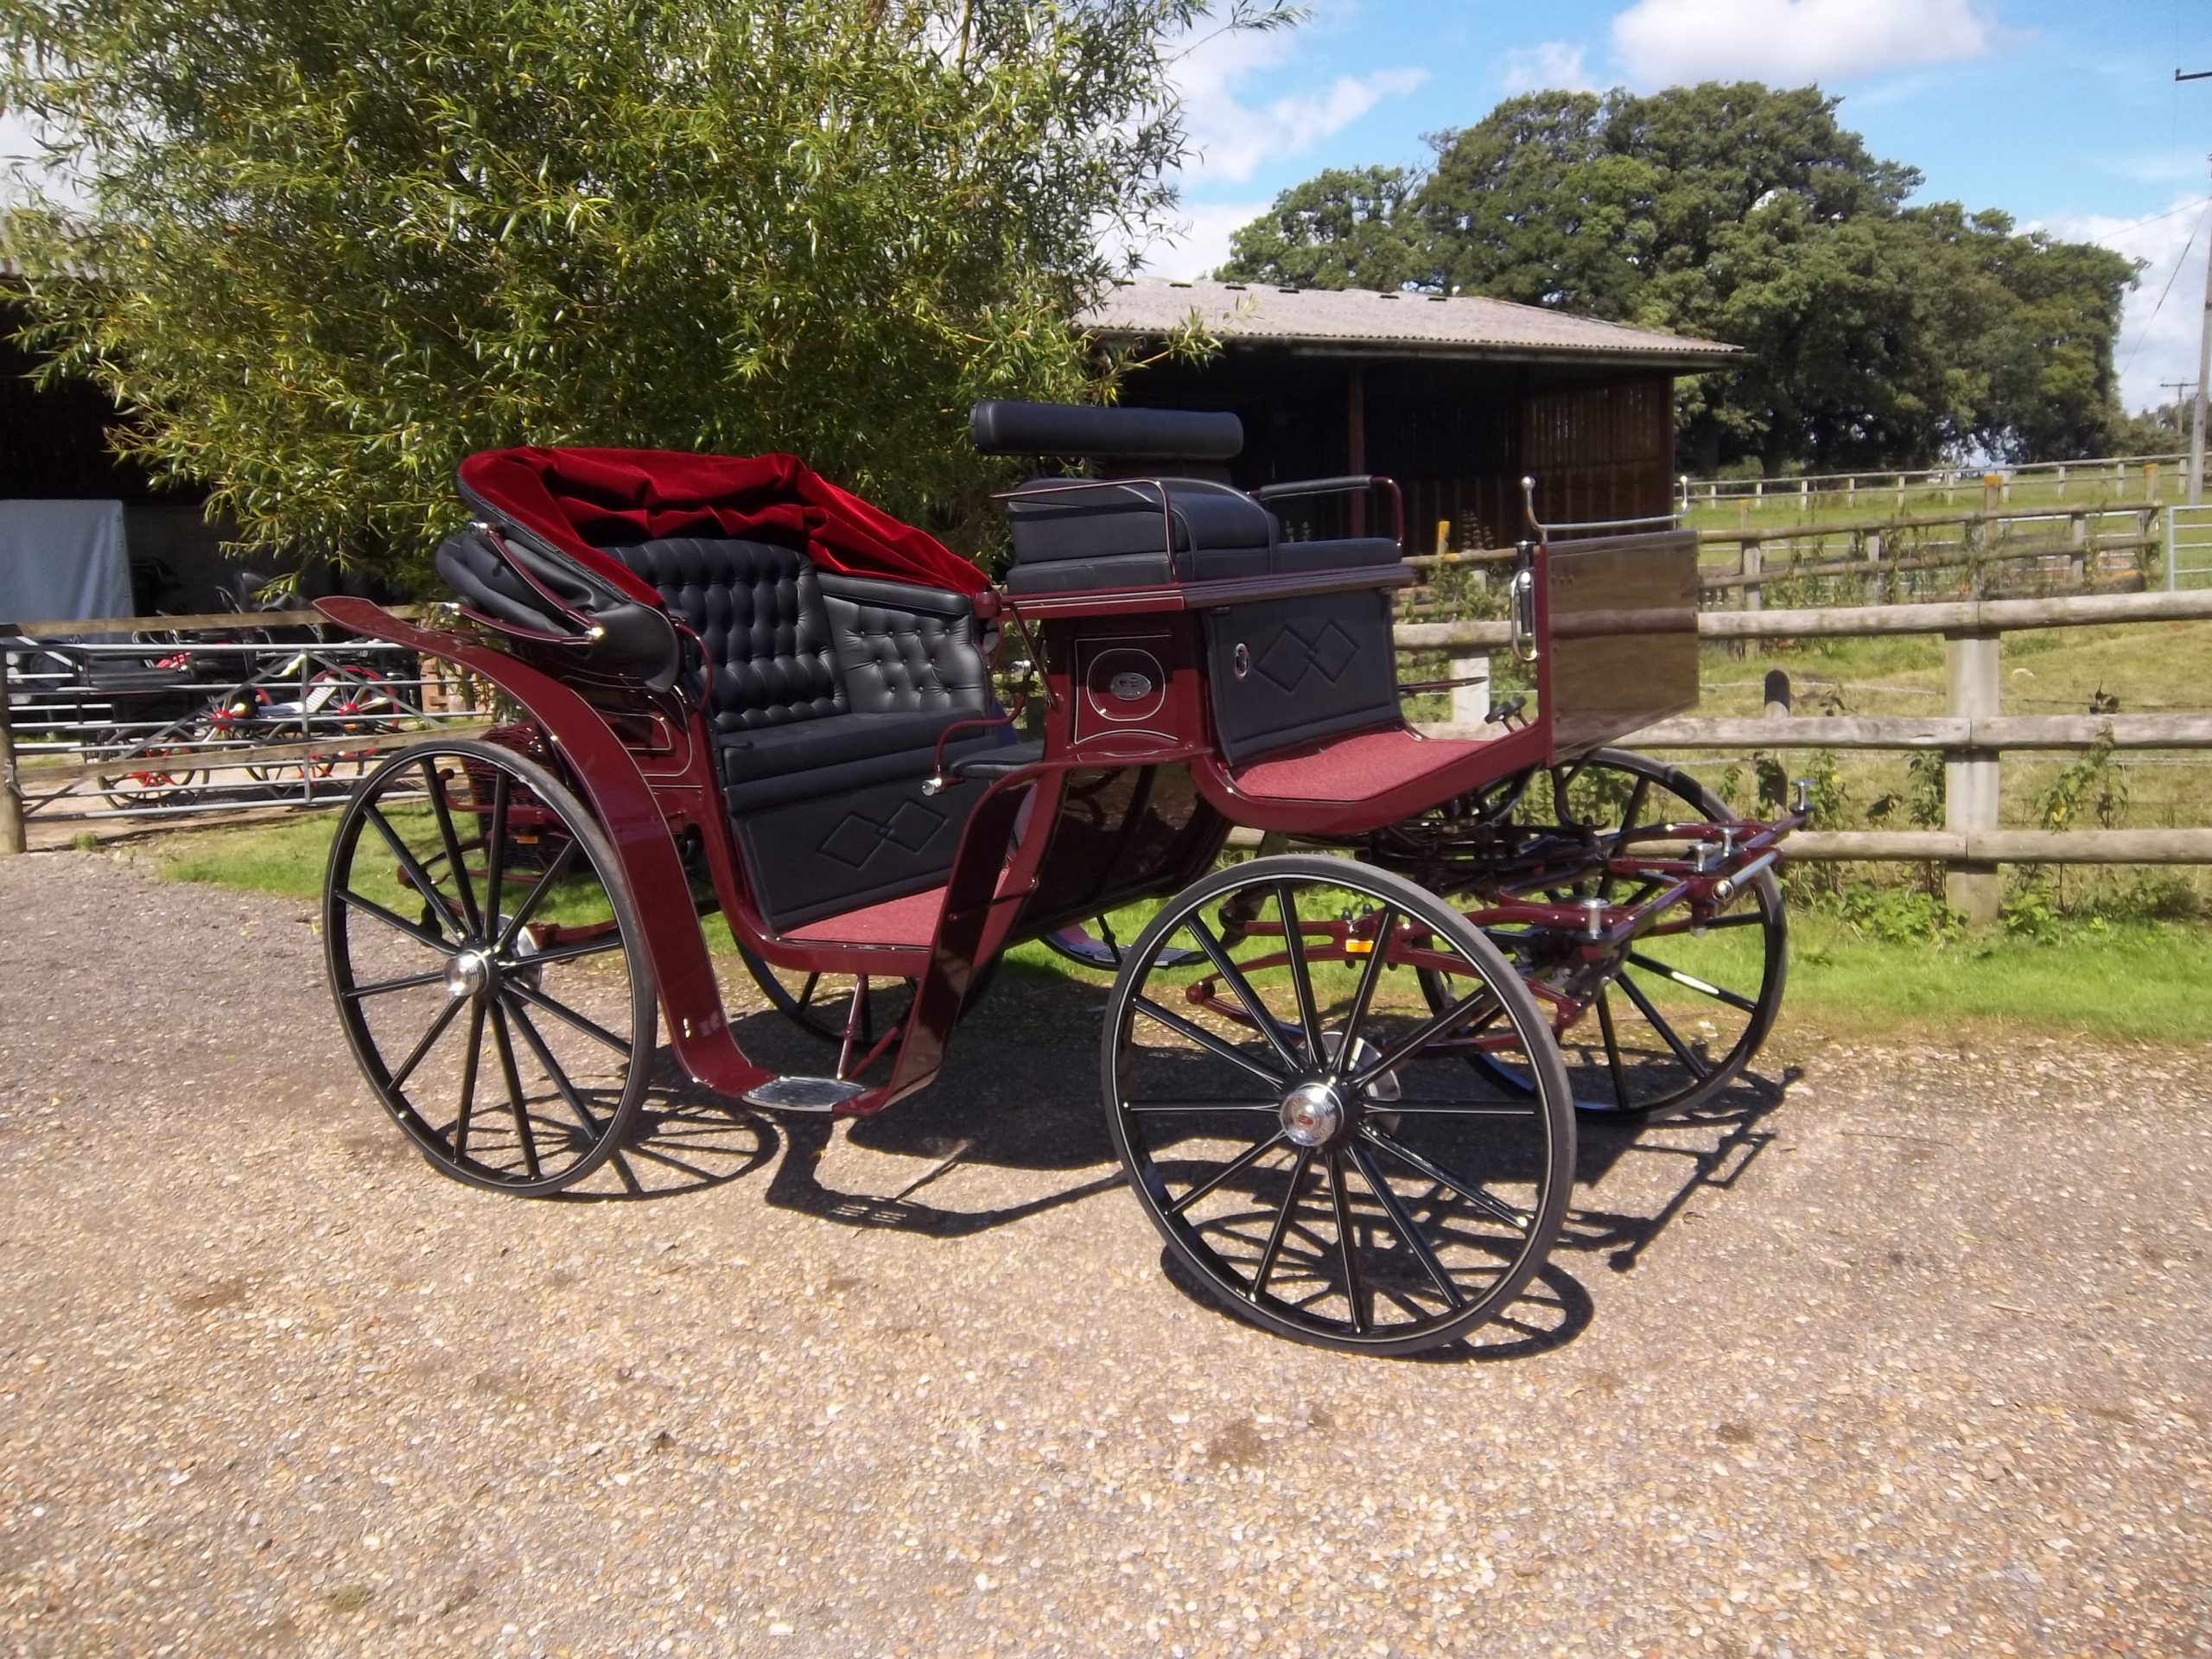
2203 372
2203 357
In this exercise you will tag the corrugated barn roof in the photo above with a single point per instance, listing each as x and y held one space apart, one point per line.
1363 322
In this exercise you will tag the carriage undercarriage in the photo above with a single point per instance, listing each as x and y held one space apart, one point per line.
1343 1080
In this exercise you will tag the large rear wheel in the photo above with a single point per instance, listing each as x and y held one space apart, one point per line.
1306 1134
504 1018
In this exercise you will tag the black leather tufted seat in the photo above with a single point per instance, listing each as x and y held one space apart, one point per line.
827 696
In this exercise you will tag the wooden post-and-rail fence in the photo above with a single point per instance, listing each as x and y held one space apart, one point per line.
1972 736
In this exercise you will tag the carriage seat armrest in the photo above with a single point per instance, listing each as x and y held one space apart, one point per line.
999 761
1344 485
939 780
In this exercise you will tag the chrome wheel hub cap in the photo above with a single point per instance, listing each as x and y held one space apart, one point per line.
469 974
1313 1113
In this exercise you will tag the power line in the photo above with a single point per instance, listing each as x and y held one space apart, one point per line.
2169 289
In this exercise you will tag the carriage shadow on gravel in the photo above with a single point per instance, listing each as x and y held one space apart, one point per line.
1019 1095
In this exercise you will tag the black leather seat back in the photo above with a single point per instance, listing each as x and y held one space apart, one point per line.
903 650
759 610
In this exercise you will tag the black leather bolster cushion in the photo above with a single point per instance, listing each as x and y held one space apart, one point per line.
634 638
1289 671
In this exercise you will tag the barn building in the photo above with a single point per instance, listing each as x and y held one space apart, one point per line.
1456 398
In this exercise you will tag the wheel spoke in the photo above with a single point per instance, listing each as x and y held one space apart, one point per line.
1423 1035
1276 1234
1340 1196
437 942
539 1047
446 1016
1234 977
515 1103
1348 1044
1302 977
411 867
1613 1053
1698 1068
358 992
1628 825
1472 1191
562 1011
468 1063
1454 1108
535 896
1201 1106
1753 918
451 841
1404 1223
1207 1041
1688 982
565 953
1229 1171
495 855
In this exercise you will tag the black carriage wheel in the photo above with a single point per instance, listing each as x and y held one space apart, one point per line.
1306 1136
1680 1020
510 1030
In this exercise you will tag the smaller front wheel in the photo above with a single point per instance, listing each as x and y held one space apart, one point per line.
1306 1133
503 1016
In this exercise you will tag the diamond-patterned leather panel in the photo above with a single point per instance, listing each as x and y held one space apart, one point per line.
858 838
1318 646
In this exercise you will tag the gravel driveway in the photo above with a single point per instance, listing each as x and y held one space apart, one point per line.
1909 1356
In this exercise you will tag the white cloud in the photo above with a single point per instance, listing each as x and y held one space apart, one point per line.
1669 42
1553 64
1202 243
2160 347
1232 140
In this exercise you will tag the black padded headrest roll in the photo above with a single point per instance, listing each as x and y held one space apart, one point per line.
998 427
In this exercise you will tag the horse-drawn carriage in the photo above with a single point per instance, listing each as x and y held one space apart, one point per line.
1343 1079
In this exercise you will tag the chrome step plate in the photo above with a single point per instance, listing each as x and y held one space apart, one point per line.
803 1094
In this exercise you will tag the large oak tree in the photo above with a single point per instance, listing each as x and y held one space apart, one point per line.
1880 332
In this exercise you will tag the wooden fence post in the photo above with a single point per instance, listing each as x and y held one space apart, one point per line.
1751 562
1469 703
2078 535
11 803
1971 776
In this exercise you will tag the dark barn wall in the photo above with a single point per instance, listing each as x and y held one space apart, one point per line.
54 446
1457 435
54 440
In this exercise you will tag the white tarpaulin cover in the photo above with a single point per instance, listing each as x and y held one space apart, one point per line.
63 559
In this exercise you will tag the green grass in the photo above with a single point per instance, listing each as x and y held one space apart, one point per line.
2143 982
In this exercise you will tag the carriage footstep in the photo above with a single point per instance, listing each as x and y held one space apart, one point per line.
797 1094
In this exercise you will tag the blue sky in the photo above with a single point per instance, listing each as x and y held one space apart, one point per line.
2064 115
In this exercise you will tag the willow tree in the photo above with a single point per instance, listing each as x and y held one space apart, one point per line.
317 250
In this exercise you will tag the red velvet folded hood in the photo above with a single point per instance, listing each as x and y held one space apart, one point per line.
581 500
